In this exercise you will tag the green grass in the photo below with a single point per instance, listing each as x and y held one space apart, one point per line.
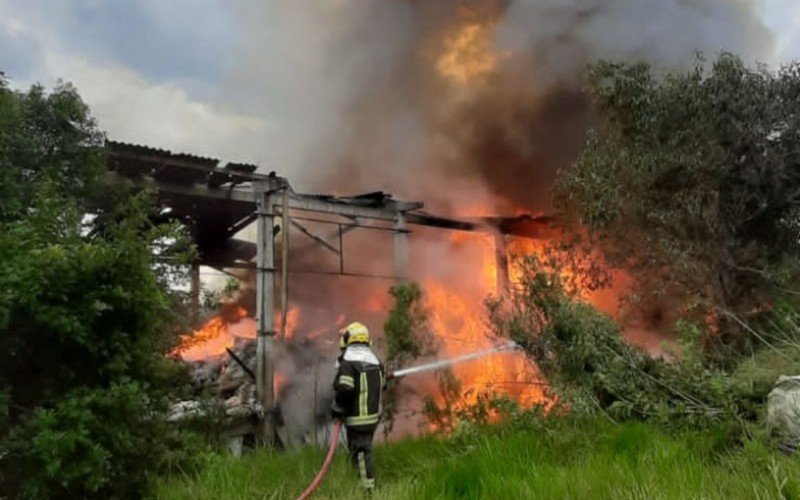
556 459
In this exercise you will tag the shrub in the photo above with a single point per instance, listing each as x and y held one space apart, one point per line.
97 442
408 337
592 368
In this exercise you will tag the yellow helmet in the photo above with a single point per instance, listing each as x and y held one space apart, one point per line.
354 333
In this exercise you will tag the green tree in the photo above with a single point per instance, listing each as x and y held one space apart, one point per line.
693 181
46 137
86 313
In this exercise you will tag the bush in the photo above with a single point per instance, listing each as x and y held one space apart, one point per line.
96 443
408 334
592 368
408 337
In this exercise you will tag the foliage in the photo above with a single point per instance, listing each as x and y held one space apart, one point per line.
754 376
584 357
693 182
86 311
48 137
95 442
489 408
79 311
408 337
443 417
527 457
214 299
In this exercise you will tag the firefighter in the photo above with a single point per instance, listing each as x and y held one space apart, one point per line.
360 378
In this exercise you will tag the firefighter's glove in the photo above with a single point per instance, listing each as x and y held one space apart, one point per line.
337 411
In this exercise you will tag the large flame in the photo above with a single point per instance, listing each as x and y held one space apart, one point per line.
457 319
459 322
464 56
460 327
221 331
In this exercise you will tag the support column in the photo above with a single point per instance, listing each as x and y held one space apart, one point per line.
265 312
501 263
401 248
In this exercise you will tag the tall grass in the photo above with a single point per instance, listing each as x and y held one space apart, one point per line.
557 459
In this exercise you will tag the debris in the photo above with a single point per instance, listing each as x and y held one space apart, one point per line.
783 410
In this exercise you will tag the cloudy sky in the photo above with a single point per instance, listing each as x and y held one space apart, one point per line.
179 73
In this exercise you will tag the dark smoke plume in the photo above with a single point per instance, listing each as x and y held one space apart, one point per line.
384 116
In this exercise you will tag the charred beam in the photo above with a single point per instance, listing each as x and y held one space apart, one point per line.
313 236
241 363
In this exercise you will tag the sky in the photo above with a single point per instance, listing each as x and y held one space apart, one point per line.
179 74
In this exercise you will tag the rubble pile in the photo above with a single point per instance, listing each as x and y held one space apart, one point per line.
224 388
783 411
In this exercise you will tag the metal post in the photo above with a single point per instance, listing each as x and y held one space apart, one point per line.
400 248
265 304
501 262
284 260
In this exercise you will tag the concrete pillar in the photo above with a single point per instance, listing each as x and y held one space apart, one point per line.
265 311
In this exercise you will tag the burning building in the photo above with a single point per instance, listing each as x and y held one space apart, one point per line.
469 105
295 331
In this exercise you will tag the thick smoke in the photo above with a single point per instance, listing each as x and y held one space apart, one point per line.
363 89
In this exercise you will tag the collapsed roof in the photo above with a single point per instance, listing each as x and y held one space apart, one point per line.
217 200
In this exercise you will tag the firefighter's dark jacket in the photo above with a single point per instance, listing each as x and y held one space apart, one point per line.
359 381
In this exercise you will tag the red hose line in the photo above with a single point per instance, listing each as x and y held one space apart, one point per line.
337 427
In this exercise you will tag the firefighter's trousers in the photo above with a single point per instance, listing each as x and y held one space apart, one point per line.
359 443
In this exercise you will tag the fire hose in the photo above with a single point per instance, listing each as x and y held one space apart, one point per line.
337 426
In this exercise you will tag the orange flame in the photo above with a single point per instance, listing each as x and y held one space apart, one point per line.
221 332
215 336
458 324
457 320
292 318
